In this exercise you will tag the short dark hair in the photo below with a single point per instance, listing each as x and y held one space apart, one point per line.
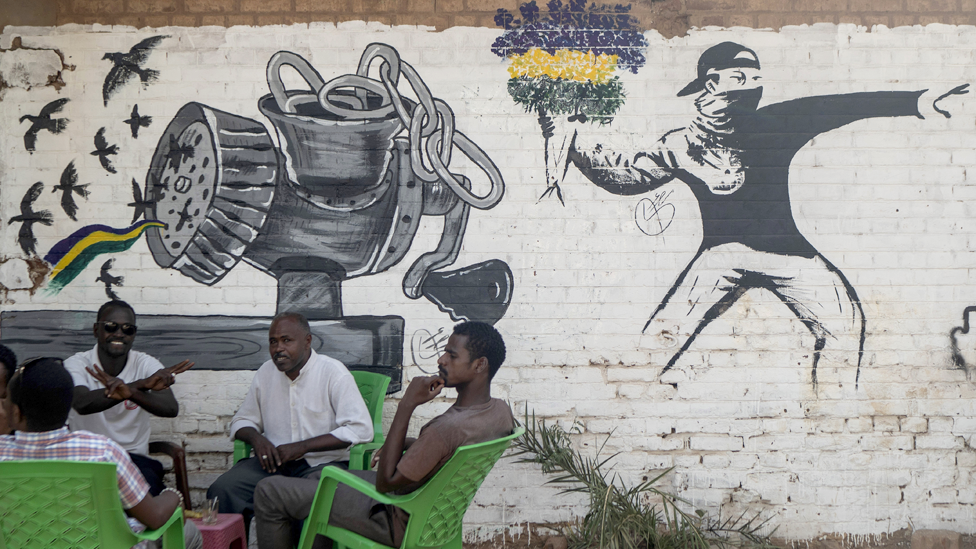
111 305
483 341
297 317
9 361
42 389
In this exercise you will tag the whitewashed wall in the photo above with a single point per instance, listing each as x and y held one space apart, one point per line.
888 201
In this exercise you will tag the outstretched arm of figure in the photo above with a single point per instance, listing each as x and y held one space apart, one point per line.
619 173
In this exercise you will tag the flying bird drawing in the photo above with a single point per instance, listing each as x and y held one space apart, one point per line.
178 153
135 121
141 205
102 150
43 121
127 65
109 280
28 217
67 186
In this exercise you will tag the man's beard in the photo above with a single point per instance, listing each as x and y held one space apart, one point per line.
721 108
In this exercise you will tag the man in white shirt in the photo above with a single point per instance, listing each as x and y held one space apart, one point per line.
117 389
302 413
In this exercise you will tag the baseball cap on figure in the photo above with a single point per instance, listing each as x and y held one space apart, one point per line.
721 56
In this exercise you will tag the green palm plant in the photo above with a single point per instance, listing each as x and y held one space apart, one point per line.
641 516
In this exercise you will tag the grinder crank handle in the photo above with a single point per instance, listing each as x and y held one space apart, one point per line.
455 221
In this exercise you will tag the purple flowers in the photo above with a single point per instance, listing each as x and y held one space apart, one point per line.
602 29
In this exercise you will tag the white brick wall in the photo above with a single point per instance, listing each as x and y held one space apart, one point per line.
888 201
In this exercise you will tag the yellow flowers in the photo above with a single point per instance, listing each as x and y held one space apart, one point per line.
565 64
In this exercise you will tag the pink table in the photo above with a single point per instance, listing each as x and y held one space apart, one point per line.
226 533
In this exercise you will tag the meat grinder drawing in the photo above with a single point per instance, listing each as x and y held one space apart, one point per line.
342 195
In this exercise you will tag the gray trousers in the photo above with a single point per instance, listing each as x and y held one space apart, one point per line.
280 501
234 489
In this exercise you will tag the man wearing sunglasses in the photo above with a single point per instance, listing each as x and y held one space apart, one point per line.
118 389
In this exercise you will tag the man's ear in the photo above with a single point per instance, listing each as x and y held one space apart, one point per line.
95 330
16 419
481 365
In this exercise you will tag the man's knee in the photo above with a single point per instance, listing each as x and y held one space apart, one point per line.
268 499
192 536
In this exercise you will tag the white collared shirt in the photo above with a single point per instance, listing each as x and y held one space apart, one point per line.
323 399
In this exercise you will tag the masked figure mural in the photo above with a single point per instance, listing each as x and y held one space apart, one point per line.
735 157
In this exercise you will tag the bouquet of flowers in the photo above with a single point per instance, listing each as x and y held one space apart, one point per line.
563 63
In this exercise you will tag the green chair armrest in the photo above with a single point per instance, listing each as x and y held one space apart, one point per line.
171 532
242 450
360 455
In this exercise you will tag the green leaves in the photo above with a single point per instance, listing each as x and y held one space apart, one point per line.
598 102
620 516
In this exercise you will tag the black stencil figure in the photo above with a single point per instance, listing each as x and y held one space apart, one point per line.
43 121
28 217
105 277
67 186
127 65
735 157
135 121
102 150
141 205
177 153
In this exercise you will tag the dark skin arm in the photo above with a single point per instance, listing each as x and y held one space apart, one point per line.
420 391
155 511
152 393
272 457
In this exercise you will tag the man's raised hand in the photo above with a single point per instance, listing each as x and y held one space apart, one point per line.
115 388
423 389
165 377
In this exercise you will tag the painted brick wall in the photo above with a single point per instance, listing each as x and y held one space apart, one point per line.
867 450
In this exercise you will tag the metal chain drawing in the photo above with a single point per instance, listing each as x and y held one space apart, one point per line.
429 122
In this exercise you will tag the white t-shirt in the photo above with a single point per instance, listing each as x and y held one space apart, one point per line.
126 423
323 399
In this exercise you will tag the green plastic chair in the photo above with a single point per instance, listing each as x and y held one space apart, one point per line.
436 508
372 387
49 504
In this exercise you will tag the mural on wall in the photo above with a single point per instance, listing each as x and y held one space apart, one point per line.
563 63
126 66
43 121
337 201
28 217
735 157
109 280
103 150
135 121
963 343
69 187
341 195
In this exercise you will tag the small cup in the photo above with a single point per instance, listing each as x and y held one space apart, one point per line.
210 512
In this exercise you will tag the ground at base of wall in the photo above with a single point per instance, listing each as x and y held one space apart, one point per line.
542 538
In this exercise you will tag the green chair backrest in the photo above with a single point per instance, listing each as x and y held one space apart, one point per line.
436 513
52 504
372 387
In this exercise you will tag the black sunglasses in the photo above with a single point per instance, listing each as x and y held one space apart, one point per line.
111 327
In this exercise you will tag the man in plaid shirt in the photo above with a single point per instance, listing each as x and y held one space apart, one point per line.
37 404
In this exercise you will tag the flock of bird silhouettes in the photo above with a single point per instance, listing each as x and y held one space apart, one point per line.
125 67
